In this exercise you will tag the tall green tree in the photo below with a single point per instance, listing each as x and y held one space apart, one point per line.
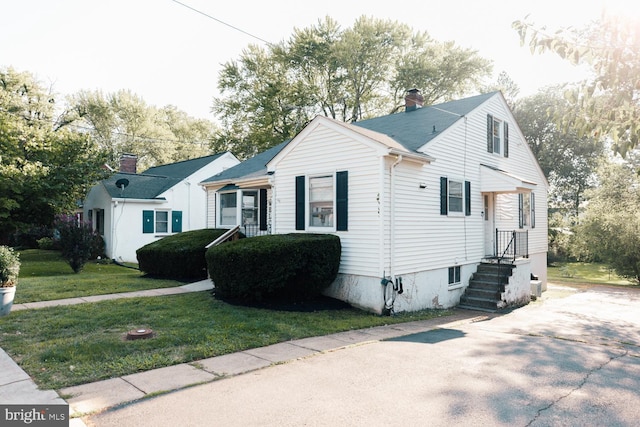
45 167
568 160
122 122
608 104
270 93
610 228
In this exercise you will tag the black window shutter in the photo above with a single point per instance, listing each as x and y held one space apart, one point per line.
262 203
520 210
489 133
300 215
506 139
342 200
443 195
533 210
467 198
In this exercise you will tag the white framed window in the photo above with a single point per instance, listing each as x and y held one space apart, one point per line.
321 201
162 222
455 196
497 136
454 275
249 208
527 210
228 208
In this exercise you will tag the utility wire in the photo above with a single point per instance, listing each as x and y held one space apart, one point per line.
222 22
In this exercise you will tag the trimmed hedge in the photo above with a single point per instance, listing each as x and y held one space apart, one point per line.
179 256
281 266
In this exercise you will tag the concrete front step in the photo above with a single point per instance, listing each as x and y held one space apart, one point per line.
485 303
493 294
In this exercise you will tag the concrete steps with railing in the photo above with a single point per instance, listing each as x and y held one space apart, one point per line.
485 288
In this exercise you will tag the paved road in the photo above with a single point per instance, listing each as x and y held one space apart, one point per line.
572 358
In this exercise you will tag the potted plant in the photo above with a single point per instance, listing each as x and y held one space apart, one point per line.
9 270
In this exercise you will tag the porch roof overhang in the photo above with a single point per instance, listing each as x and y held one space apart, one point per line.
493 180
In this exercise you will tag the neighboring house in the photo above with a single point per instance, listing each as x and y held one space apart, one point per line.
423 201
131 210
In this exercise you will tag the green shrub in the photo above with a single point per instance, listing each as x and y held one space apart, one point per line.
9 267
179 256
283 266
45 243
77 241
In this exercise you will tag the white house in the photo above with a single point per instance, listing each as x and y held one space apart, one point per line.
131 210
424 201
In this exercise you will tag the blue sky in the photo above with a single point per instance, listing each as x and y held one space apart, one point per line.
169 54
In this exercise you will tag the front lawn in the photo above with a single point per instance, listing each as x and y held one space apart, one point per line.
69 345
45 275
584 273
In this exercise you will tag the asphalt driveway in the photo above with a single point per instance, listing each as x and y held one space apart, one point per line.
571 358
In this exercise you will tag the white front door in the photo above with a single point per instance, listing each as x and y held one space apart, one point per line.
489 223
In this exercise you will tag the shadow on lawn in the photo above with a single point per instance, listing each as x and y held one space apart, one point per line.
307 305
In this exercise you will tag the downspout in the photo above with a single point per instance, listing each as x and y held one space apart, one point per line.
392 228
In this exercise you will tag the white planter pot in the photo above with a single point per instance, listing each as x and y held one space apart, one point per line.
6 300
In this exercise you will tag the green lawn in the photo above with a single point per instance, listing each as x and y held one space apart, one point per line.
580 272
69 345
45 275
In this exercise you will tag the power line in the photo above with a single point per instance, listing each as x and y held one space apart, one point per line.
222 22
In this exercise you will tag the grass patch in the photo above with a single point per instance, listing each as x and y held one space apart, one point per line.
581 272
64 346
45 275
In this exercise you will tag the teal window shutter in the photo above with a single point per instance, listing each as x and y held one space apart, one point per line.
467 198
489 133
506 139
147 222
342 200
300 196
443 195
262 214
176 221
520 210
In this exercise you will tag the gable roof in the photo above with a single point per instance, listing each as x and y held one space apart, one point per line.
415 128
156 180
141 186
183 169
256 166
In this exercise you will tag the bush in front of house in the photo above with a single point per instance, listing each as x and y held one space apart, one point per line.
281 266
78 242
179 256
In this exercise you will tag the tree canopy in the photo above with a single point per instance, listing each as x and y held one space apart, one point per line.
568 160
123 122
608 103
270 93
45 169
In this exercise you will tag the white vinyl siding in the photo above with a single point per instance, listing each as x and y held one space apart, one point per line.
332 151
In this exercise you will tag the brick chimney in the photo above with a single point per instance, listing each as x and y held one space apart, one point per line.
413 100
128 163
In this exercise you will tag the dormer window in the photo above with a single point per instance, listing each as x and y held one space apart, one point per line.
497 136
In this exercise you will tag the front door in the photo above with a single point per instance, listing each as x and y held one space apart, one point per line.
489 223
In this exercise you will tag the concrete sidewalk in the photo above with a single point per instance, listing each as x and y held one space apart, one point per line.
17 387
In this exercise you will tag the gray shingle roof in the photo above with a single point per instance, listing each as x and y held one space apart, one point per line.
415 128
182 169
411 129
141 186
255 166
156 180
